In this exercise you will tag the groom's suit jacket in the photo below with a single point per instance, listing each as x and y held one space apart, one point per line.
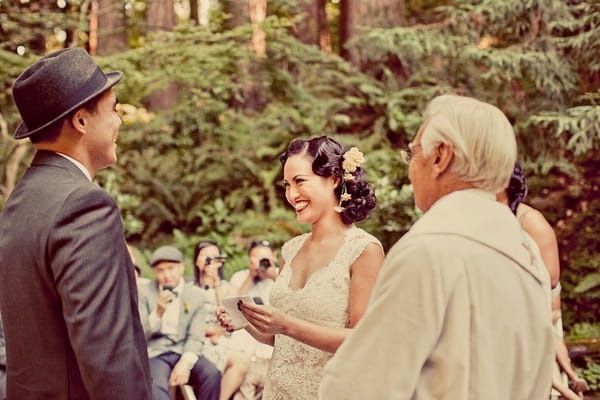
191 325
68 297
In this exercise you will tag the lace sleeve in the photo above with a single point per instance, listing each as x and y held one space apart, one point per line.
357 244
292 246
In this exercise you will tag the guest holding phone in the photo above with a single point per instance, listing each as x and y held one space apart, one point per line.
172 313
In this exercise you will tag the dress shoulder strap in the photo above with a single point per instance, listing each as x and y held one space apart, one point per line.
292 246
521 217
356 241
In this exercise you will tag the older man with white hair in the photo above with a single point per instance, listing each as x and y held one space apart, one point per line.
461 309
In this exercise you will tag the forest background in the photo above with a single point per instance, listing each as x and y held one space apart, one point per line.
215 90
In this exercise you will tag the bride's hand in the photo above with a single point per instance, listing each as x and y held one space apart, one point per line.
225 319
265 318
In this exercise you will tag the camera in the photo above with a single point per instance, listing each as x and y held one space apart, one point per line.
220 259
264 263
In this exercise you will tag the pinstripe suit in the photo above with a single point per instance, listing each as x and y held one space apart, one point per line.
67 290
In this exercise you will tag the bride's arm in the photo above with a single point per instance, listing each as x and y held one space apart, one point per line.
268 320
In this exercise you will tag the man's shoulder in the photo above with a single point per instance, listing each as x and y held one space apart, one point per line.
147 288
241 274
193 292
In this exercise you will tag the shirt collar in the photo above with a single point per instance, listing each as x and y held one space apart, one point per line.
177 289
78 165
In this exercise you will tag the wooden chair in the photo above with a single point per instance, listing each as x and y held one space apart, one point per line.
183 392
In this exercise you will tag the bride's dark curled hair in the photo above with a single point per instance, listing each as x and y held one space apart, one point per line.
327 155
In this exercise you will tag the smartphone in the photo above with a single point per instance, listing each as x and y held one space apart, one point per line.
258 300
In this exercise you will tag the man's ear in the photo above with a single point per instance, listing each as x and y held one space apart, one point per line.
78 121
444 154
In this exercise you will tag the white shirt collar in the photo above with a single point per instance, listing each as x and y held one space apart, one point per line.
78 165
178 288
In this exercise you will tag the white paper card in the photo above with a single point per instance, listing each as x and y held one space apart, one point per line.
237 318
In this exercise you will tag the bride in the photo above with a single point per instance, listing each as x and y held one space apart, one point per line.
324 285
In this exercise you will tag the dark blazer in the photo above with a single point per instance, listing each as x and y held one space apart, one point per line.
67 290
191 326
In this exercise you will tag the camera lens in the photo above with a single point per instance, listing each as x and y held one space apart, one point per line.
264 263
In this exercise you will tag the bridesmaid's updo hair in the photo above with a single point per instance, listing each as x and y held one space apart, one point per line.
328 155
517 188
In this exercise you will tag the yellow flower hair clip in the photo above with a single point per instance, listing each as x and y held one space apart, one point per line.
353 159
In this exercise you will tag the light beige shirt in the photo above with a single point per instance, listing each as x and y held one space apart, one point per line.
461 310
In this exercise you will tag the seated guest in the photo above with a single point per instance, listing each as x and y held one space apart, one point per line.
255 281
218 348
258 279
172 313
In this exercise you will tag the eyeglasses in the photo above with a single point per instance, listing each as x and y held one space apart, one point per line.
407 154
257 243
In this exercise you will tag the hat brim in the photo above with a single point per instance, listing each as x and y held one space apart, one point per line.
112 78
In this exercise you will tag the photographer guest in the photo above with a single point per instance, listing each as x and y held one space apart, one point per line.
208 271
257 282
218 347
258 279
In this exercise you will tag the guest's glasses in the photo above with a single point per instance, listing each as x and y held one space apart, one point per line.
407 154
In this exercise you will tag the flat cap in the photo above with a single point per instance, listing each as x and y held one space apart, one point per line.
165 253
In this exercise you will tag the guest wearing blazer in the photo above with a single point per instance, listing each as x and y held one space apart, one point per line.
173 315
67 289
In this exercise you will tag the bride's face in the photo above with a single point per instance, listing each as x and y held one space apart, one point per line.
311 195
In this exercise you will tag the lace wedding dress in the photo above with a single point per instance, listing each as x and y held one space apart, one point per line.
295 369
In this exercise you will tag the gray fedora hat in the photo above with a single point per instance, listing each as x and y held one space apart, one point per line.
56 85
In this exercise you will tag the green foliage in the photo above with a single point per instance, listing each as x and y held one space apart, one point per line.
587 365
584 330
208 167
537 60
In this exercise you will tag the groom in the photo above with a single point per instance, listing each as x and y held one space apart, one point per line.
67 290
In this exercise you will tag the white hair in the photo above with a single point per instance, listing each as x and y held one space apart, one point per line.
485 148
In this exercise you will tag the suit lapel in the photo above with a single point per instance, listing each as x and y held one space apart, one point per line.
183 314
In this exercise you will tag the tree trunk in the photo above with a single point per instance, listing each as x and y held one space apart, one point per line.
313 29
324 36
203 12
238 10
307 31
160 16
37 44
112 34
93 27
194 12
258 13
358 14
